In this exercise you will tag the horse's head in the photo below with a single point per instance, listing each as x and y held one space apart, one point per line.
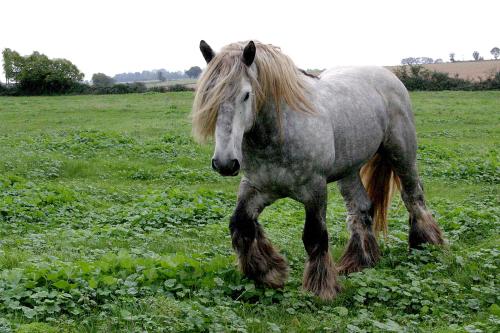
227 103
236 84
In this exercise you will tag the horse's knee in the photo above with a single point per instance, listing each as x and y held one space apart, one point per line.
243 230
366 216
361 220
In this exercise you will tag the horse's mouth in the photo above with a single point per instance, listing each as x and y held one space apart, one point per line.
229 174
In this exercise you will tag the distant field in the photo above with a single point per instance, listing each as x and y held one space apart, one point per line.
185 82
111 220
470 70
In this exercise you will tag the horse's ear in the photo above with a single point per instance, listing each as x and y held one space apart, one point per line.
207 51
249 53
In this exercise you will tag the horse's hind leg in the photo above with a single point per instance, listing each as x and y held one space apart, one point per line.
320 276
258 260
423 227
362 250
400 148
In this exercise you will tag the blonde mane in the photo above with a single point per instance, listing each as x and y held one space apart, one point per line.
277 79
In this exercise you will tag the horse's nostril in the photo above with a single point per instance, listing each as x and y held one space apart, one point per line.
235 165
226 167
214 164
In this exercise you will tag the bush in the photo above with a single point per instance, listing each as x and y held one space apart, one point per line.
36 74
137 87
179 87
79 88
120 88
491 83
8 90
159 89
416 77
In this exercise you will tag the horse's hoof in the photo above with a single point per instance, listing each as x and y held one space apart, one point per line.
424 229
263 264
276 276
346 268
361 252
320 277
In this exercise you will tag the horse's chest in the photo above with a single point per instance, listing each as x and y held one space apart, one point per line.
286 164
278 173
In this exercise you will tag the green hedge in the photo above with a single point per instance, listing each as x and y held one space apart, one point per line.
416 77
85 89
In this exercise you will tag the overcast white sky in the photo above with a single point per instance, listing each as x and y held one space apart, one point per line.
126 36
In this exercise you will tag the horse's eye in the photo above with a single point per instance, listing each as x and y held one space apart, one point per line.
247 95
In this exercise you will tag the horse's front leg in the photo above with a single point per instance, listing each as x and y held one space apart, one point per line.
320 276
258 260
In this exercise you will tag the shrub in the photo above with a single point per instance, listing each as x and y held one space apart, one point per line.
120 88
491 83
419 78
79 88
36 74
160 89
137 87
8 90
179 87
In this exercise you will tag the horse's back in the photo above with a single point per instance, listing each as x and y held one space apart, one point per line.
388 96
366 77
362 103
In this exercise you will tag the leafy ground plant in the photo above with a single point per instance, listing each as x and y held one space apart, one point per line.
112 221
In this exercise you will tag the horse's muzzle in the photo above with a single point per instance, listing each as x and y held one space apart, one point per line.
231 168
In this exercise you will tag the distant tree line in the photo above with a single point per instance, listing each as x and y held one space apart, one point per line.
495 52
154 75
420 61
157 75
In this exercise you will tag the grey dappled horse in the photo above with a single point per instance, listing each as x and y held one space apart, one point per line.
291 134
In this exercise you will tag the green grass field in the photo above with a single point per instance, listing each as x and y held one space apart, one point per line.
111 220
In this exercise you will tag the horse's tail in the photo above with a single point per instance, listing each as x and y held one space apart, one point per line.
380 182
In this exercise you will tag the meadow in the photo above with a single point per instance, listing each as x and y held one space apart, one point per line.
111 220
